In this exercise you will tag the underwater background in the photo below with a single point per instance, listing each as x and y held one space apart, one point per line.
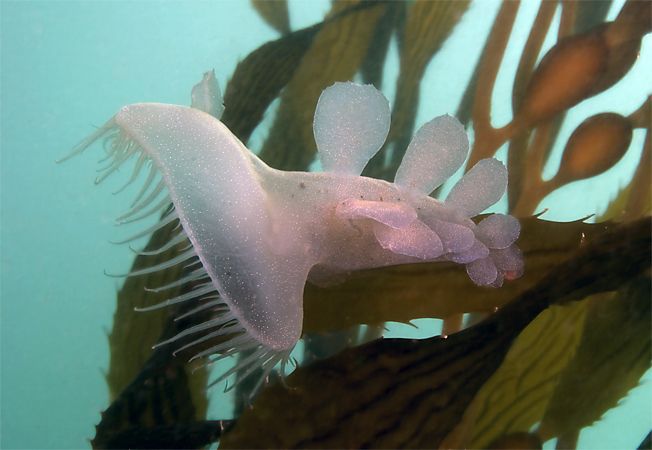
67 67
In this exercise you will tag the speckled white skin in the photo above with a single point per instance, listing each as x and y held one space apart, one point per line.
351 124
260 233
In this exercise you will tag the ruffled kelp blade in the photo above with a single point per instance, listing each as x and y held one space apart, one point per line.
607 363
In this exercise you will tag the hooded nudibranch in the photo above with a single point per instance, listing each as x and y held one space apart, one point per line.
260 233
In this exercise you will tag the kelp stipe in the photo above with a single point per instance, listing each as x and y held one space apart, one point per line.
260 233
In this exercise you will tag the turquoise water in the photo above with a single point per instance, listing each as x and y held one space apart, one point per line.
69 66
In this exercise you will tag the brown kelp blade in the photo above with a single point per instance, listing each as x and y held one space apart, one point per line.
166 397
152 389
427 27
427 290
566 369
275 13
612 356
261 76
373 66
134 334
515 398
336 54
176 436
395 393
390 393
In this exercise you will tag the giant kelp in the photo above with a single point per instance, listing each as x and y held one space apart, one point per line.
449 389
402 393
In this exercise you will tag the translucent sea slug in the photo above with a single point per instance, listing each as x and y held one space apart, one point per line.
260 233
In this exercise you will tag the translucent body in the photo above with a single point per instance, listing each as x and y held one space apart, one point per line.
261 233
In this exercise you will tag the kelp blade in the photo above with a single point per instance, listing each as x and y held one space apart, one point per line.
398 393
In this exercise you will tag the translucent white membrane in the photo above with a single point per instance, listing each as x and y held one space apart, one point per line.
152 198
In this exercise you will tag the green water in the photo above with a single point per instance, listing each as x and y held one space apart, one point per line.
69 66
